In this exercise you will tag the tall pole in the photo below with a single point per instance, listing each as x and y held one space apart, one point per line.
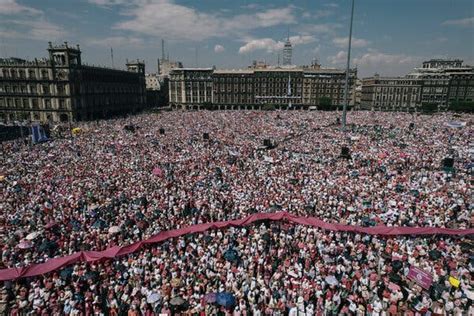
346 85
112 56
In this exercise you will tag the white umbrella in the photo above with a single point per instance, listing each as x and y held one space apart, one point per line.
25 244
32 236
331 280
114 229
153 298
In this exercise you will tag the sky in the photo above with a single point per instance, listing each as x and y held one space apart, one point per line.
390 37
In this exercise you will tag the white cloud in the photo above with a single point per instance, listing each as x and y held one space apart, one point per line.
387 64
339 58
270 45
219 48
176 21
116 41
28 22
267 44
375 58
322 14
107 3
467 22
316 50
374 61
9 7
322 28
332 5
342 42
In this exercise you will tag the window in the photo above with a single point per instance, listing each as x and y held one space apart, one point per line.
45 89
35 104
32 74
47 104
60 89
26 104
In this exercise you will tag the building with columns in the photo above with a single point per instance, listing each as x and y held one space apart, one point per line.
255 87
190 86
439 82
61 88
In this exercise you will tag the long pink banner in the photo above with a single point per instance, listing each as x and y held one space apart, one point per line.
112 252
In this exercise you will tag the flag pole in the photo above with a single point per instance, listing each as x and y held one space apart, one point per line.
346 85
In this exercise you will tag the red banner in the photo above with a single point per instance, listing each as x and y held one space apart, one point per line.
423 278
113 252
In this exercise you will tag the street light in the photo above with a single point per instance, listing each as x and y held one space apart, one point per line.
346 86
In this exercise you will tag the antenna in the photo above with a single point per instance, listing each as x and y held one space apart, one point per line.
112 56
197 64
162 49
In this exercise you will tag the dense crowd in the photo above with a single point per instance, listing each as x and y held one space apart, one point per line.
111 186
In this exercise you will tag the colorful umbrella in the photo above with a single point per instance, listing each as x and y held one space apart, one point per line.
210 298
32 236
25 244
225 299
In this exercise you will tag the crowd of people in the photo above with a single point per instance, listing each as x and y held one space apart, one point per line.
109 185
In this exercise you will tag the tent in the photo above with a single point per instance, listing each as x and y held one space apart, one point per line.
225 299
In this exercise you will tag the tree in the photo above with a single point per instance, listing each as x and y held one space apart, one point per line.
207 106
429 107
325 104
462 106
268 107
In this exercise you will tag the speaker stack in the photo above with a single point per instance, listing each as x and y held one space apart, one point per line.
267 143
162 131
205 136
448 162
345 153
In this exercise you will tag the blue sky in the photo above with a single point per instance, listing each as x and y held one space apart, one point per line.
390 37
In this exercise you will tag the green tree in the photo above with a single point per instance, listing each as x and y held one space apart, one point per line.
207 106
462 106
429 107
268 107
325 104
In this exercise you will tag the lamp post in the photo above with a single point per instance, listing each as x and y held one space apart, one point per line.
346 85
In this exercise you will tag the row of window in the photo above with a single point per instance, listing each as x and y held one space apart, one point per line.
25 74
45 89
32 103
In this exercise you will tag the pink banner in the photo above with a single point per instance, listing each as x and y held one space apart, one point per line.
423 278
116 251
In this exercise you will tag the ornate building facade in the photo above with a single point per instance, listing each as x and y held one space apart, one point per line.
439 82
380 93
254 87
190 86
61 89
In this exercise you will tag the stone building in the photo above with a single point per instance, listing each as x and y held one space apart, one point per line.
392 93
439 82
60 88
327 83
233 87
190 86
254 87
